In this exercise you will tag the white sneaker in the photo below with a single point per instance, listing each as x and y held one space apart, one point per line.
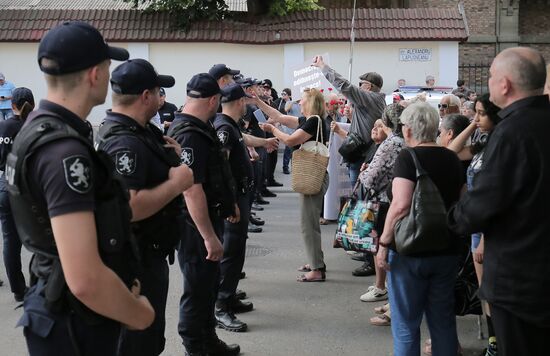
374 295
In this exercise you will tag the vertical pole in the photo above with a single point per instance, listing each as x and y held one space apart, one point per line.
352 40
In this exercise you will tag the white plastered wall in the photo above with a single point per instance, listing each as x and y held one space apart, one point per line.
183 60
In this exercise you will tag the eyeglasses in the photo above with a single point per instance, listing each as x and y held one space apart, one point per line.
284 94
444 106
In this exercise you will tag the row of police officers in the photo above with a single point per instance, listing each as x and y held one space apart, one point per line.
104 221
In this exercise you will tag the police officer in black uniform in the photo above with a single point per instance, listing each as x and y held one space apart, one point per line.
69 209
209 200
223 74
150 166
22 103
166 110
235 234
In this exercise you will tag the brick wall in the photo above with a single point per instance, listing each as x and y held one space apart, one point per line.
534 18
476 52
481 16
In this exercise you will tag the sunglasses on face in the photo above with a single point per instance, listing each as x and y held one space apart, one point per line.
444 106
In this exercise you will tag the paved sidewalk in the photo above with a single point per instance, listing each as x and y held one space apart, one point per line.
290 318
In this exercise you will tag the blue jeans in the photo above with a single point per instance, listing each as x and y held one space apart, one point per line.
5 114
418 286
354 172
12 245
287 155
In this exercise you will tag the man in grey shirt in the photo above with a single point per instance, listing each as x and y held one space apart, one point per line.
368 104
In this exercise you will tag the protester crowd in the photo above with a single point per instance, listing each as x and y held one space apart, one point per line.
463 188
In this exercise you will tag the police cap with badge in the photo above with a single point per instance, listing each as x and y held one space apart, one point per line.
219 70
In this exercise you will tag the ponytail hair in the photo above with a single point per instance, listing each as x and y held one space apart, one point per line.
25 110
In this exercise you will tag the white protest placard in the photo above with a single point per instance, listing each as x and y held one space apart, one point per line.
415 54
304 75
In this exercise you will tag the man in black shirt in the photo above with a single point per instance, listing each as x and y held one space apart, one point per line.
166 110
209 200
155 180
235 233
509 202
70 210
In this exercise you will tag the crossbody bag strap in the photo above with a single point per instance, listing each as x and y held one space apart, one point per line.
419 170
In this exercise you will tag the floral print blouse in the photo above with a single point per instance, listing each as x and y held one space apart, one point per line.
379 173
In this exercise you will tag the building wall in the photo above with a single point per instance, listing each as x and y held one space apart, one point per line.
383 57
183 60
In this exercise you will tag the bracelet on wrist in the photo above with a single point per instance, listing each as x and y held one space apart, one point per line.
383 244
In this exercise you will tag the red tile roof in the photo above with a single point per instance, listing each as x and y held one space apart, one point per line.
314 26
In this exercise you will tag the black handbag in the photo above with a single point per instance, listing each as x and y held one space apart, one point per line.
424 229
353 148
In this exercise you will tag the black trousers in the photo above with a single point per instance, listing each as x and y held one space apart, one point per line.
517 337
154 285
52 334
201 279
12 246
259 170
234 249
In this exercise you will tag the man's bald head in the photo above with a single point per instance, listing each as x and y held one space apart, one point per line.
516 73
524 66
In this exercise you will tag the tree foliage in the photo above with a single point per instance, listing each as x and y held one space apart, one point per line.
185 12
285 7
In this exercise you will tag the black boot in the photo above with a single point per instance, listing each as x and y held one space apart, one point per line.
216 347
240 294
256 220
238 306
227 320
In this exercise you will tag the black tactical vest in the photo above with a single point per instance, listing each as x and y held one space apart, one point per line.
220 186
160 231
116 244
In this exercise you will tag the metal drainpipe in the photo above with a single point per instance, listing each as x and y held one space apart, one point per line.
497 27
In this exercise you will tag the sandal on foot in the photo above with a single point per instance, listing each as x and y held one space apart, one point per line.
304 278
380 320
383 309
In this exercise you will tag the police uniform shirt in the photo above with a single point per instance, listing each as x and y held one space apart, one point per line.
8 129
195 147
254 126
232 141
61 174
167 111
140 167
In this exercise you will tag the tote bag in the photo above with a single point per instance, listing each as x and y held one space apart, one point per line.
309 164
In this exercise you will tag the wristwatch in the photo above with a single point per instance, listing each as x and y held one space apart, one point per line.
384 244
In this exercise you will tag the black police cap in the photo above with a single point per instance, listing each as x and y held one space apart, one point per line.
21 95
219 70
202 85
76 46
136 75
233 92
248 82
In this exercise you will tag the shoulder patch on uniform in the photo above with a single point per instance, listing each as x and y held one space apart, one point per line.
126 162
223 136
187 157
77 173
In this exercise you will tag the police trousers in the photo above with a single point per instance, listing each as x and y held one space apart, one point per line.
234 249
54 334
154 285
200 288
12 245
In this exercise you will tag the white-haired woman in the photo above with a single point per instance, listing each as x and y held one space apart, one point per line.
421 284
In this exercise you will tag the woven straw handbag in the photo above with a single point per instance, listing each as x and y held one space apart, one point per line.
309 164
